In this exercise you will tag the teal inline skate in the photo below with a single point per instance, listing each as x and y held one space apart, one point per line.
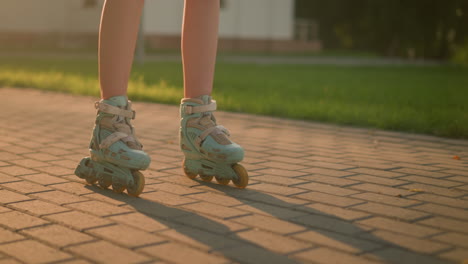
207 148
116 154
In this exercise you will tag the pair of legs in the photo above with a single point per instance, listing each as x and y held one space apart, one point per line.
116 154
118 33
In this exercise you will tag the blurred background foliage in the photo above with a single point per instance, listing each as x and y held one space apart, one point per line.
428 29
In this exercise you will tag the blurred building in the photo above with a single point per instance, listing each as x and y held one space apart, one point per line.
246 25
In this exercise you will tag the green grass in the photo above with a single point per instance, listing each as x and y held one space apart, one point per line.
430 100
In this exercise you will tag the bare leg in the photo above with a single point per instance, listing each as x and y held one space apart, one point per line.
117 39
199 46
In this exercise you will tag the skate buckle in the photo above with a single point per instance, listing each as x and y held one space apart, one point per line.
110 109
190 109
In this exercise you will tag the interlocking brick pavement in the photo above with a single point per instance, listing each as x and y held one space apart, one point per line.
318 193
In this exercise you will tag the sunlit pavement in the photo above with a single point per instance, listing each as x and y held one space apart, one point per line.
317 194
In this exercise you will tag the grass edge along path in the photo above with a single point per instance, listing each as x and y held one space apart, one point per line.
429 100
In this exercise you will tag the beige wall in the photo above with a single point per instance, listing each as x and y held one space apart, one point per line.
37 16
258 19
244 25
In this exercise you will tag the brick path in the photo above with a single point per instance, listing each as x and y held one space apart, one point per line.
318 193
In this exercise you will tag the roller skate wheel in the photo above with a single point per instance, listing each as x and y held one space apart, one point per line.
118 188
206 178
104 183
136 189
222 181
91 180
243 177
187 172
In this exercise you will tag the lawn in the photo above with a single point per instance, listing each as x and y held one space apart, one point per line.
431 100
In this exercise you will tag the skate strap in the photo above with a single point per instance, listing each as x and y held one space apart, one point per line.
217 129
114 110
114 137
190 109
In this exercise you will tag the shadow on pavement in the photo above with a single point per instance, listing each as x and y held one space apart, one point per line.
222 239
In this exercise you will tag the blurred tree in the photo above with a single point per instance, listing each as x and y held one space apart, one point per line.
412 28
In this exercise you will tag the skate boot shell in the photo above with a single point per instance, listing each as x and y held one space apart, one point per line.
207 148
116 155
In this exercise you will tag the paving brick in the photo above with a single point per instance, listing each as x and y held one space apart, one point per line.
452 238
434 189
329 172
217 199
377 180
142 221
324 222
9 261
334 240
273 242
270 210
105 252
57 235
178 253
329 210
282 180
325 188
411 243
211 224
25 187
328 256
16 170
385 199
374 172
432 174
43 179
269 224
78 220
42 156
380 189
59 197
173 188
6 156
33 252
98 208
29 163
329 199
167 198
276 200
446 224
276 189
399 227
251 254
106 197
430 181
39 208
452 202
463 179
56 171
329 180
390 211
395 255
443 211
126 236
201 239
12 197
457 172
9 236
459 255
7 178
72 187
214 210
